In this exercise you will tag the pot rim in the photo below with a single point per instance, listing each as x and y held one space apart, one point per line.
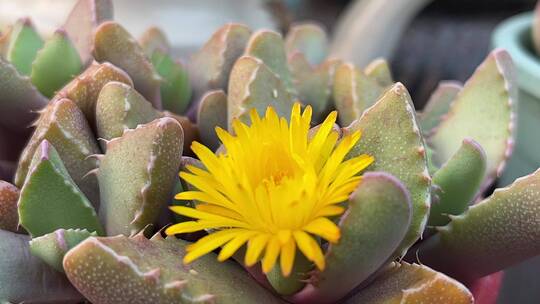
514 35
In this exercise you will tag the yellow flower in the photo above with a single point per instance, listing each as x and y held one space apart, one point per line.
275 188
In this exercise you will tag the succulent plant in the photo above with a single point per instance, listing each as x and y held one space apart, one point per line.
276 170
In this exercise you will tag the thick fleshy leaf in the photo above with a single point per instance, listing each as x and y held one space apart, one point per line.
502 230
353 92
83 20
119 107
373 227
299 65
19 100
210 67
486 290
191 131
9 195
457 182
269 47
153 39
309 39
175 87
483 111
52 247
315 88
535 28
136 175
55 64
85 88
51 200
391 135
181 186
212 113
298 278
5 35
64 126
254 85
411 283
112 43
23 46
438 105
25 278
152 270
379 70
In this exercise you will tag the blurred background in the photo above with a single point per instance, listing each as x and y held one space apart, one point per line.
425 42
437 40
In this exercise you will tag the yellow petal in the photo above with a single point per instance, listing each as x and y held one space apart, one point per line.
331 210
255 247
231 247
310 248
271 254
324 228
209 243
287 257
186 227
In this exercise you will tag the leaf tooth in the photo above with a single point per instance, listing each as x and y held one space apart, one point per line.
152 275
177 285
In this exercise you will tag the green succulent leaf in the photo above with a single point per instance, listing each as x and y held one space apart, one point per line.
300 273
56 64
377 220
152 270
137 174
379 70
412 283
391 135
181 186
269 47
9 195
5 36
112 43
83 20
23 46
212 113
299 66
51 200
176 87
52 247
26 279
535 29
191 131
487 99
210 67
315 88
353 92
153 39
457 182
119 107
438 105
85 88
309 39
19 100
253 85
491 235
64 126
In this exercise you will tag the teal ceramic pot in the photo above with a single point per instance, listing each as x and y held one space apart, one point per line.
521 283
514 35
